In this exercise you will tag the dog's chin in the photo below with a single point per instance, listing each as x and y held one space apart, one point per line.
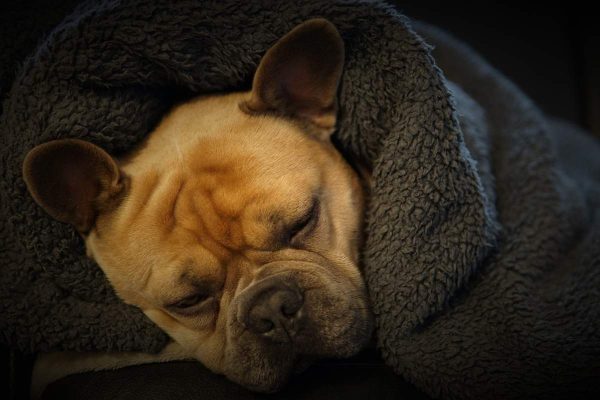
339 325
261 374
270 380
267 370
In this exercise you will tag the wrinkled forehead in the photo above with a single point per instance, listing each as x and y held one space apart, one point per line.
243 190
248 157
259 145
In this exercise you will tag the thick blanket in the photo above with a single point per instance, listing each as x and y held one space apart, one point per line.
482 255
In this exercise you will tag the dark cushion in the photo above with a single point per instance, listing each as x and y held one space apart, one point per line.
361 377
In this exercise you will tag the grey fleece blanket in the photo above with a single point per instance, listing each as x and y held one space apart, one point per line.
483 243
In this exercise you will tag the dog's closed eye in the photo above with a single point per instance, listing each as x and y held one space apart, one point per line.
305 224
190 300
191 304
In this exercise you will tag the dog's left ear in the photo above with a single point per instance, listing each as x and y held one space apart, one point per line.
300 74
73 181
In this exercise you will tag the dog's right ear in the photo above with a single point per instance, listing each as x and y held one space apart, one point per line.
300 74
73 181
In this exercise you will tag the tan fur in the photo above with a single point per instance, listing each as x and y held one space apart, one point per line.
209 199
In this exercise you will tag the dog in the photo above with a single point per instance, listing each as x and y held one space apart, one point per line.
235 226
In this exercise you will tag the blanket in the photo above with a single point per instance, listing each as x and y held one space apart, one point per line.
482 256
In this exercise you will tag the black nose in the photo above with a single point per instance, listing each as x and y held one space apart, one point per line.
274 311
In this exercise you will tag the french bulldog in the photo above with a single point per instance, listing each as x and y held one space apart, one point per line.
235 226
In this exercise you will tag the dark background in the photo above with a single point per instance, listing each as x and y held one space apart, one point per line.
552 52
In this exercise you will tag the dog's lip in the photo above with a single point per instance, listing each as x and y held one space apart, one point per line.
264 387
301 364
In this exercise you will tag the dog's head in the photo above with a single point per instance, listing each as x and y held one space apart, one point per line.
235 226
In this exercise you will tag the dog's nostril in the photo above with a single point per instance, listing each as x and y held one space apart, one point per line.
290 308
264 326
287 311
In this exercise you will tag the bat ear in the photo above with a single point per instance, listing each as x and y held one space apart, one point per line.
73 181
300 74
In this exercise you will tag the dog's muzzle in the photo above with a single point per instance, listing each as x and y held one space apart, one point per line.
293 312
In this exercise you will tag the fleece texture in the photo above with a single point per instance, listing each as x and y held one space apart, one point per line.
482 255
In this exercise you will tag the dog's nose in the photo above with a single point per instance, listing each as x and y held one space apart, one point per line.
275 312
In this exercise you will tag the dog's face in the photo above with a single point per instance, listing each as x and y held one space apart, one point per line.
235 226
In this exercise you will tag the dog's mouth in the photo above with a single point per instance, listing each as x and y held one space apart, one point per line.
277 381
284 322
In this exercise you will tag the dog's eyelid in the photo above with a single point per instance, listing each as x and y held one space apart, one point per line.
199 290
189 301
207 305
306 222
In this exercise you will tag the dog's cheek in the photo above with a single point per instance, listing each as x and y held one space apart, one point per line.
337 325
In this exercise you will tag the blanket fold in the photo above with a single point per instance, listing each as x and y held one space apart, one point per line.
482 256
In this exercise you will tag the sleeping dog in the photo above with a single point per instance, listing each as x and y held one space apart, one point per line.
235 225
